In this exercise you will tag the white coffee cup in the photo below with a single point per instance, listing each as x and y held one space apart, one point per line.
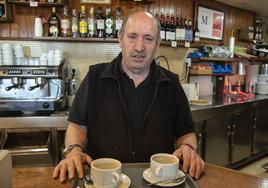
164 166
106 173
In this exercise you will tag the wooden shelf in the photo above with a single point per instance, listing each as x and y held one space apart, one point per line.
40 4
80 39
250 57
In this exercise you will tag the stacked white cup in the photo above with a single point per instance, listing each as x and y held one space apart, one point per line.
59 56
51 57
1 55
19 54
43 59
8 55
38 27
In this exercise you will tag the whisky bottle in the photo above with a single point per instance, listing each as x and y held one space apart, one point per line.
91 23
109 24
65 23
53 24
83 22
100 23
118 21
74 24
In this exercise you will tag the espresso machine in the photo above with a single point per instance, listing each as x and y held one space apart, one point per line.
32 87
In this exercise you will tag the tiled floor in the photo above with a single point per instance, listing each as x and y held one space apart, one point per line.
257 169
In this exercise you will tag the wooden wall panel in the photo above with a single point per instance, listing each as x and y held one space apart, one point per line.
235 19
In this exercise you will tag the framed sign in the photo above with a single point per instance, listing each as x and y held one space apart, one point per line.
210 23
96 1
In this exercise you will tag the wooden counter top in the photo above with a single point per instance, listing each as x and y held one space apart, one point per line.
214 177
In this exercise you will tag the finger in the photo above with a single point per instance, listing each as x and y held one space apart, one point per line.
193 164
71 169
79 167
88 160
177 153
198 170
186 159
56 171
63 172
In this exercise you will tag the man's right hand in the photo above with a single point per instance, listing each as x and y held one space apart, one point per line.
73 161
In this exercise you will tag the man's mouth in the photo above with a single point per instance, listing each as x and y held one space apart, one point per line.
139 57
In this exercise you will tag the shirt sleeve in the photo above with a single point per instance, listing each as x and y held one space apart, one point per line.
184 122
78 113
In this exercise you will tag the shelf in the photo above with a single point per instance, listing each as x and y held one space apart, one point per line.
250 57
217 59
70 39
40 4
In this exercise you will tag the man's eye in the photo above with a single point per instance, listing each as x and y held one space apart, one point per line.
132 37
148 39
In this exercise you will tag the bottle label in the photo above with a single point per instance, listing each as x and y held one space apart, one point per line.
100 24
65 24
118 24
83 27
163 35
53 29
109 24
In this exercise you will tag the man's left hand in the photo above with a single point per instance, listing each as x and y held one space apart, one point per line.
192 162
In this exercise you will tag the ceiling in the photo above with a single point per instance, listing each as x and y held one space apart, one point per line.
258 6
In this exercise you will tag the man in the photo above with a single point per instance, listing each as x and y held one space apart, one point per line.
130 108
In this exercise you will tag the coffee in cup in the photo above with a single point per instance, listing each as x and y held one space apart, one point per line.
106 173
164 166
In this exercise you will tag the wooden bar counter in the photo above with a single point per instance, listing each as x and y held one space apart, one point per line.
214 177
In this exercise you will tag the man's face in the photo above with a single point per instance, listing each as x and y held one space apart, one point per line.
139 42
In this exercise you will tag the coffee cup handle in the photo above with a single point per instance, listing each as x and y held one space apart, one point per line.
116 178
158 171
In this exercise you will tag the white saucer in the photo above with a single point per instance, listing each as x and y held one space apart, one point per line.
125 182
147 175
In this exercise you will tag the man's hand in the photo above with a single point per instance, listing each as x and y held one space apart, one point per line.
192 162
73 161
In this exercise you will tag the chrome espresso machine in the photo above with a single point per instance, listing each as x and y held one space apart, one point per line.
33 88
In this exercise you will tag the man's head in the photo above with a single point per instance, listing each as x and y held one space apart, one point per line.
139 39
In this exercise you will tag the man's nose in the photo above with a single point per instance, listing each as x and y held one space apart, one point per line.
139 45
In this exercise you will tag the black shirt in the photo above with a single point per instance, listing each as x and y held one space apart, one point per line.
137 100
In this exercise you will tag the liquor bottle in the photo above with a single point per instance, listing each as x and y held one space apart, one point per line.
91 23
190 30
65 23
74 24
53 24
167 27
196 33
100 23
172 29
178 29
251 33
83 22
109 24
156 15
183 29
187 34
163 26
118 21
